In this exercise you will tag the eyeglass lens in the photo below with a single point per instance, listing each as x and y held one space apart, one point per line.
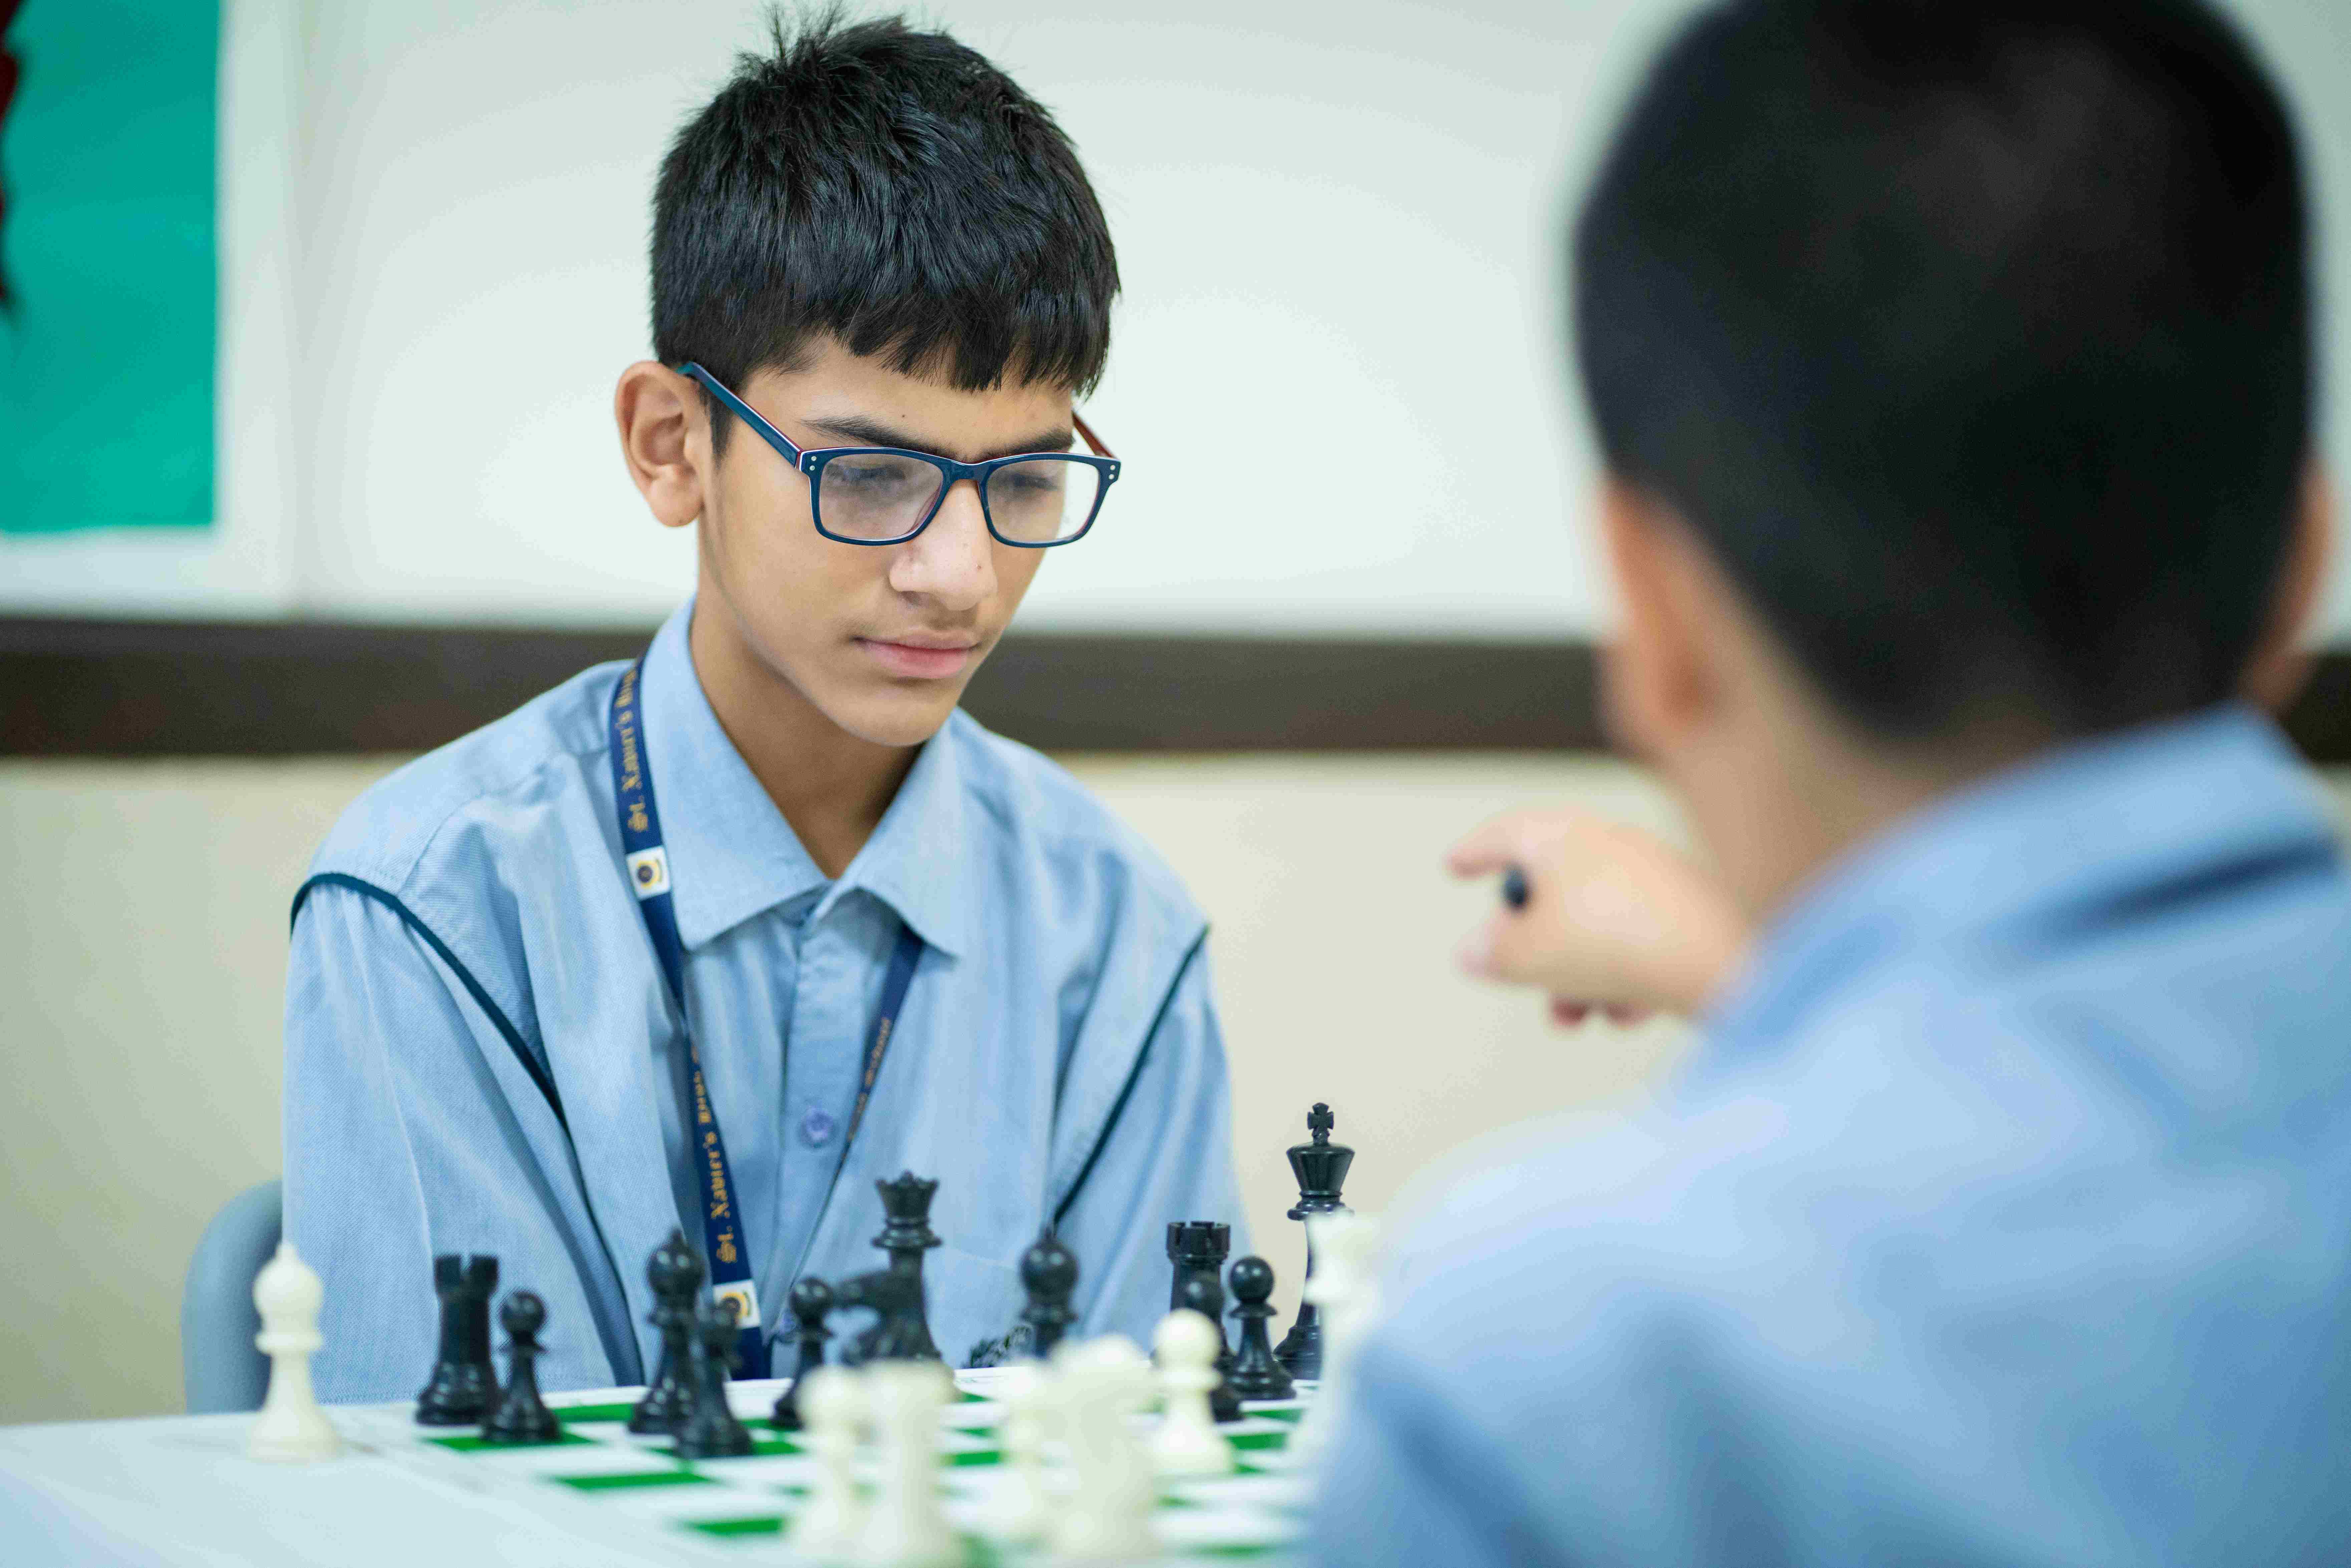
882 496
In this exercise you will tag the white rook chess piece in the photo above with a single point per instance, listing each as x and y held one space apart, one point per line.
1347 1293
1188 1442
833 1410
291 1428
1101 1384
1020 1512
905 1527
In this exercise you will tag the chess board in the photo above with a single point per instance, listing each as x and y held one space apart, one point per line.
605 1483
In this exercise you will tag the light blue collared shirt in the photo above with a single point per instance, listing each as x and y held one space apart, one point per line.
2002 1217
468 933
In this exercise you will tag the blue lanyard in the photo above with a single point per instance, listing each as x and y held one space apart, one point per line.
648 868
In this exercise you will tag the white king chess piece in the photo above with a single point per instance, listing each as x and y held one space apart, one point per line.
291 1429
1346 1290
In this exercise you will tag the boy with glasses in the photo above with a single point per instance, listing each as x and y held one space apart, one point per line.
1953 369
718 940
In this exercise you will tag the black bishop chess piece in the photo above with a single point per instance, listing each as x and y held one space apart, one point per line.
1256 1375
811 1300
1049 1273
1205 1294
710 1430
900 1329
674 1272
465 1381
1321 1168
522 1416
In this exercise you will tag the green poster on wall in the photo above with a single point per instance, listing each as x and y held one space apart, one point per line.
107 337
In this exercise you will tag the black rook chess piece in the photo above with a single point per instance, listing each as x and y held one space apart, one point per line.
900 1329
463 1381
1199 1248
674 1272
811 1300
711 1431
1256 1375
1205 1294
522 1416
1320 1168
1049 1273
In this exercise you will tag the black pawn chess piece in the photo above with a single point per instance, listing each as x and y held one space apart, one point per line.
1048 1273
811 1300
1197 1248
1205 1294
900 1329
1321 1168
674 1272
464 1382
710 1430
1256 1375
522 1416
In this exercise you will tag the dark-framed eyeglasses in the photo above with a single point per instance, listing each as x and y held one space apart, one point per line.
887 495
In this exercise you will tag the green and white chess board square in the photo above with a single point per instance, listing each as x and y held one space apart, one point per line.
606 1481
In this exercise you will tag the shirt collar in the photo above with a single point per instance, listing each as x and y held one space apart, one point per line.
732 855
2003 860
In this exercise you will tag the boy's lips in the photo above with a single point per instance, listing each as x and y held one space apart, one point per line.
925 660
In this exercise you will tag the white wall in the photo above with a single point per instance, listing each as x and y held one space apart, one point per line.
1337 223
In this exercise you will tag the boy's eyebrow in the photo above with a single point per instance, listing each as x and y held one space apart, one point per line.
856 430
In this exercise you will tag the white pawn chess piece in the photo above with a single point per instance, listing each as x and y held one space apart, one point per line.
1100 1386
1346 1292
832 1411
1188 1442
292 1428
1021 1512
904 1527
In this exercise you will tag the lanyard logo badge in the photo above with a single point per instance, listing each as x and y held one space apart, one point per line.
744 1296
649 871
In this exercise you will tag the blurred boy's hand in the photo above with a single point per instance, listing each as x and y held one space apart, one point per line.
1614 918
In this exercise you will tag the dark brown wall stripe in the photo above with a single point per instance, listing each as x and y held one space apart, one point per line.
111 688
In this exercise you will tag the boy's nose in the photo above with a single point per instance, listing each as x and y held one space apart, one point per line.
952 562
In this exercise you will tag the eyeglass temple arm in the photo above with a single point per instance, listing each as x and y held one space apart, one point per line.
1088 432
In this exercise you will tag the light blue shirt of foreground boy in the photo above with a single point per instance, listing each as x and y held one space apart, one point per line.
468 933
2003 1217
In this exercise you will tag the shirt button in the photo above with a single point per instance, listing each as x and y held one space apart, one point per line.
816 1128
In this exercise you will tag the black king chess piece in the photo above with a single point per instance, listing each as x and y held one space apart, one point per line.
710 1430
674 1272
522 1416
811 1300
1320 1168
900 1329
1256 1375
465 1381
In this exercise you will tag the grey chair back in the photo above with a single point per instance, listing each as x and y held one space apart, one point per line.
219 1363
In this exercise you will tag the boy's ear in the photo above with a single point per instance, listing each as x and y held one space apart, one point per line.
1659 681
664 440
2280 661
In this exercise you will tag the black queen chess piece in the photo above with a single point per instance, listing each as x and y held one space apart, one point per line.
1321 1168
522 1418
901 1330
811 1300
674 1272
465 1380
1256 1375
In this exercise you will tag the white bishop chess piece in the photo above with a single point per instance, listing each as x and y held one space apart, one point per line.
291 1428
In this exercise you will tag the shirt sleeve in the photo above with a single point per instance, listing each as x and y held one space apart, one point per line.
1166 1155
402 1140
1408 1481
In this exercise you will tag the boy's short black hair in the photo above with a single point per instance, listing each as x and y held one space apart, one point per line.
888 188
1972 339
